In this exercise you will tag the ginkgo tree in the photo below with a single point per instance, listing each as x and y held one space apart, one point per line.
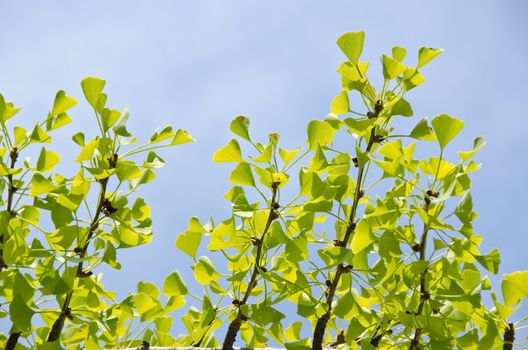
375 248
352 241
57 229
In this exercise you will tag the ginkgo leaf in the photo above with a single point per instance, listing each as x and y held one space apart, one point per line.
426 55
229 153
446 128
240 126
62 103
351 44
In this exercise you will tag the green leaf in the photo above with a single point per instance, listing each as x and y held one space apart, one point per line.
344 306
148 288
31 215
22 287
64 236
20 314
87 151
126 170
120 129
57 122
262 313
242 175
360 126
478 143
464 209
515 287
20 135
426 55
78 138
7 110
422 131
204 271
39 135
109 117
174 285
319 133
146 305
446 128
490 261
403 108
412 78
399 53
265 155
132 237
189 241
287 156
362 237
240 126
340 103
391 68
229 153
40 185
351 44
318 205
92 89
47 160
62 103
181 137
15 248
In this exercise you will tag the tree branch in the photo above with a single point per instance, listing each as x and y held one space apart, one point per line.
13 156
58 325
424 294
320 326
234 326
509 337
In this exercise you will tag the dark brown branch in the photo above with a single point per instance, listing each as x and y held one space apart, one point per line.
58 325
320 326
234 326
11 189
424 294
509 337
12 341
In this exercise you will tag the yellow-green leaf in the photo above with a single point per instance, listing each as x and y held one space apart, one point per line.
446 128
319 133
391 68
351 44
174 285
229 153
62 103
47 160
340 103
240 126
242 175
92 88
426 55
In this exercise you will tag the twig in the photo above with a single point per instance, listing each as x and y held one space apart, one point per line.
234 326
320 326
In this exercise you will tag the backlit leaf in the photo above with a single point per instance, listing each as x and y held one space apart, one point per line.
229 153
351 44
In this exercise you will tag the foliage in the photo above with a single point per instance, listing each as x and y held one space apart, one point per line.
372 245
56 229
375 247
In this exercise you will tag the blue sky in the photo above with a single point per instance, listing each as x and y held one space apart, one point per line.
198 64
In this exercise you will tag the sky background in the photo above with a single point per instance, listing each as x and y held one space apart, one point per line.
198 64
